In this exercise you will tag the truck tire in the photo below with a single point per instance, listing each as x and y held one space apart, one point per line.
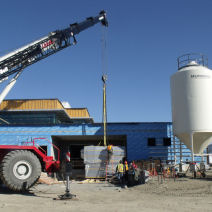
20 170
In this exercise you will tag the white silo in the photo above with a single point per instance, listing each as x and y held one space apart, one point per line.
191 92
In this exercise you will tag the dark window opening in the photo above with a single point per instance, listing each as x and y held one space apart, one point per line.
151 142
76 160
166 141
75 151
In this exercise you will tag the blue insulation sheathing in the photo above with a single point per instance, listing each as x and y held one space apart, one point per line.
137 135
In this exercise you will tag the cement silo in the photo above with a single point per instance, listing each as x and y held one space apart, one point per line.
191 92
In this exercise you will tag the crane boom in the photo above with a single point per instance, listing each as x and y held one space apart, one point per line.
57 40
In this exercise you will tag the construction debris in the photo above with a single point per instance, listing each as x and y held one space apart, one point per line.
45 179
89 181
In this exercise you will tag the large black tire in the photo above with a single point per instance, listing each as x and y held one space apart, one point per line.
20 170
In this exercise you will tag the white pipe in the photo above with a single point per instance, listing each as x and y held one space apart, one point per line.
181 154
203 154
192 146
175 162
9 86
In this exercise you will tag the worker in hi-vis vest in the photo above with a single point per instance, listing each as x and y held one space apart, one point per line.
126 167
120 171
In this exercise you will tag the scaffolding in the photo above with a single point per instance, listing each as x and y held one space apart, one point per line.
179 153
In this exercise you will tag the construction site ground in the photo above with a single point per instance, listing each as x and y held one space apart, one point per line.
184 194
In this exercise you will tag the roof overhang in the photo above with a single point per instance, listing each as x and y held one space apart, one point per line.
60 114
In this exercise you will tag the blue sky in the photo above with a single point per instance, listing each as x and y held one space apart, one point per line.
144 39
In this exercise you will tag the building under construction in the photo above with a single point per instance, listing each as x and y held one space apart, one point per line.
50 121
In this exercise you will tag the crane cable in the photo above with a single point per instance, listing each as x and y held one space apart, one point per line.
104 56
104 79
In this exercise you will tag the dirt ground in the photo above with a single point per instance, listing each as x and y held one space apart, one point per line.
184 194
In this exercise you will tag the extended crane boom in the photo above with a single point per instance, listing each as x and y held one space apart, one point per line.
16 61
44 47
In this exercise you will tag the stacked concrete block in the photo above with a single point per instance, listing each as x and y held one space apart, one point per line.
97 162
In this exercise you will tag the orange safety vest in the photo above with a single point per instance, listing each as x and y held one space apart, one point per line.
120 168
126 167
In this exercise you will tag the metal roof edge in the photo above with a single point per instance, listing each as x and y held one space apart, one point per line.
164 122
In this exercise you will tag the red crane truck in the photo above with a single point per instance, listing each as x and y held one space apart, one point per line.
21 166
